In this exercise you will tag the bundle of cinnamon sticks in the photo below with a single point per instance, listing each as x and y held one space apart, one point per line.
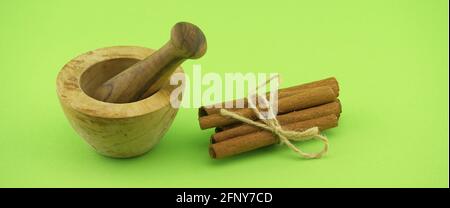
300 107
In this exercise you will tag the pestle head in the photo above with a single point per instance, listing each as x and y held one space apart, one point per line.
189 40
147 76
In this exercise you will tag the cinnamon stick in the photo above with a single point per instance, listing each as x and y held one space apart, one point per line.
306 99
295 116
285 92
260 139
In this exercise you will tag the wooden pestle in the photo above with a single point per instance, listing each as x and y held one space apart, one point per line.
146 77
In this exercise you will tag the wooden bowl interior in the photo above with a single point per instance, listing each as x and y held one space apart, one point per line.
100 72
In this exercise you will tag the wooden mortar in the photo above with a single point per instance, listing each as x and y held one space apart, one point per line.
119 130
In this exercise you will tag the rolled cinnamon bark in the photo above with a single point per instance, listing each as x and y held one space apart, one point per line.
223 128
260 139
305 99
295 116
330 82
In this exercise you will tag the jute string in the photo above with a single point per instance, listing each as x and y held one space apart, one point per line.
284 136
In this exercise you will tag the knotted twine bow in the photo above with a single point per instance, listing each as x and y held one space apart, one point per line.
284 136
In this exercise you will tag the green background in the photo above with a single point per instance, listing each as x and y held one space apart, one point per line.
390 57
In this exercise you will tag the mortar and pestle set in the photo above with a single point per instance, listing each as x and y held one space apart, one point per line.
118 98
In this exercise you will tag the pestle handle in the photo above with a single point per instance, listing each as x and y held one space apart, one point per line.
146 77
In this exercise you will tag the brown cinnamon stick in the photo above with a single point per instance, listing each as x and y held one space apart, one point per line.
285 92
305 99
295 116
260 139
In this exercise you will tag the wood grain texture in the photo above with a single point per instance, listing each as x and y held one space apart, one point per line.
147 76
115 130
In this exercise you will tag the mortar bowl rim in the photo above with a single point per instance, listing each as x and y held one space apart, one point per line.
71 95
